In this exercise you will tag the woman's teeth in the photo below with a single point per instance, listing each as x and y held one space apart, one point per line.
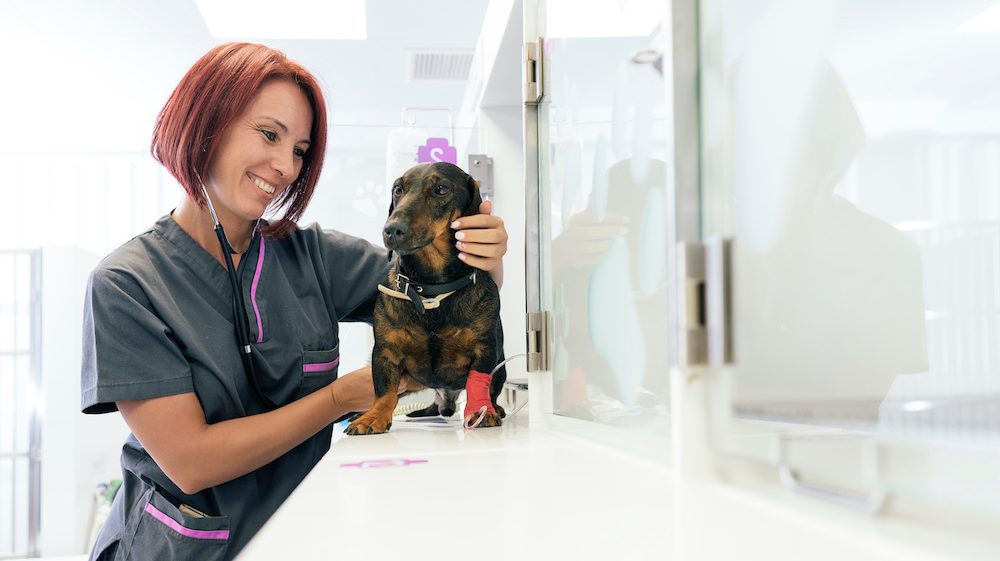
269 189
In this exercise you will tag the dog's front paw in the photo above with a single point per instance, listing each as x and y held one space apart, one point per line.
489 419
368 424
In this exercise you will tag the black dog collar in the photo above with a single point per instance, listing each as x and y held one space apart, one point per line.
421 293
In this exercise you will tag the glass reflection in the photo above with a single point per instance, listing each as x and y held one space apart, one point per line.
829 303
606 177
851 150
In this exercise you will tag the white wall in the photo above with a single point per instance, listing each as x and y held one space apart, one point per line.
503 126
78 451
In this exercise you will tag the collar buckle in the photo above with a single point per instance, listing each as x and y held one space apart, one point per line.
402 282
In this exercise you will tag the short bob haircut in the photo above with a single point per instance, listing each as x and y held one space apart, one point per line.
213 93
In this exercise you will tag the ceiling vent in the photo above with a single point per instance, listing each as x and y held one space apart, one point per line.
441 66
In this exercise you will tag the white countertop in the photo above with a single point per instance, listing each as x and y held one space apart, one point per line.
518 492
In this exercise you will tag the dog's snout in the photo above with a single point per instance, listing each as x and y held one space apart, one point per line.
395 230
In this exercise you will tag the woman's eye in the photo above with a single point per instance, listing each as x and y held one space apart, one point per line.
299 153
441 190
397 190
270 135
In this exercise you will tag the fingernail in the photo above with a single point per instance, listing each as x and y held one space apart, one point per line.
455 224
460 236
462 256
460 245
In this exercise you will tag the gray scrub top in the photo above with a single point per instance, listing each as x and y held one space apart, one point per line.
158 321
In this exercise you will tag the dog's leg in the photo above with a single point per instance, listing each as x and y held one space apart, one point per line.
463 354
389 363
429 411
487 375
479 391
444 405
479 410
491 386
378 419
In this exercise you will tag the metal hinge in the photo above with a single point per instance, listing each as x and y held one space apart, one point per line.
533 77
692 333
719 299
538 341
481 169
704 273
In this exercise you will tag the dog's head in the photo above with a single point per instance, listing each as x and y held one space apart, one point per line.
425 201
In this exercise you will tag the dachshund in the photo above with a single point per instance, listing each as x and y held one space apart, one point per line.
437 319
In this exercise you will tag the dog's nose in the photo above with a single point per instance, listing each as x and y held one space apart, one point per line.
395 231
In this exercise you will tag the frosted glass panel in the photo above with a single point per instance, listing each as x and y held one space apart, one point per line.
852 151
602 158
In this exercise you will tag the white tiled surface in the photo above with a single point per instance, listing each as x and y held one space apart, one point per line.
525 493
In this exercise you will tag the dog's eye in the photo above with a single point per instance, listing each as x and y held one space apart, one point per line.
397 190
441 190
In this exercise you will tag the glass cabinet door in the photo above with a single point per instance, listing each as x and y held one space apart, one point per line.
851 153
602 166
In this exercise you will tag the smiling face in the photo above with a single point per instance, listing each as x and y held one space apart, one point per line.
260 153
425 201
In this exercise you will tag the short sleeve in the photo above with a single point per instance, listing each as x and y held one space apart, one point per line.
354 268
128 350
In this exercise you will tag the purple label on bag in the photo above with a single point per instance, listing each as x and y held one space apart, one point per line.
437 150
391 462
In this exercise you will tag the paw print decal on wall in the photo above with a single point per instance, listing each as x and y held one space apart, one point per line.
371 199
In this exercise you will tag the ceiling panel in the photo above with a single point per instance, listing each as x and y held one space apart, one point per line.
99 71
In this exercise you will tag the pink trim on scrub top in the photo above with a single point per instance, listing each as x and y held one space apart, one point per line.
253 290
321 366
175 526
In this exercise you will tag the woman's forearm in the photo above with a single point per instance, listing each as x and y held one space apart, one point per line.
196 455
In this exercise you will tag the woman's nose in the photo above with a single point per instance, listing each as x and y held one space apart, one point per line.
284 164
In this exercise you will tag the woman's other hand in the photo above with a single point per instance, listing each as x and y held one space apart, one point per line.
482 241
355 391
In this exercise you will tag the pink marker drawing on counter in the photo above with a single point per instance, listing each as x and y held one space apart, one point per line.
390 462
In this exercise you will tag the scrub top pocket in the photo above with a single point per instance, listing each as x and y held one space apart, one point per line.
163 532
319 369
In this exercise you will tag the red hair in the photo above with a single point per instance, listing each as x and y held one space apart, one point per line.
213 93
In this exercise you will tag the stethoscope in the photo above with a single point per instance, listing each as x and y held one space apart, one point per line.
239 304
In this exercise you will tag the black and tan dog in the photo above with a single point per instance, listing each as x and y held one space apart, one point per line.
438 319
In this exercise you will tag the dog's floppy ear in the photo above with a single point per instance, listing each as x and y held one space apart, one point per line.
475 199
392 206
392 201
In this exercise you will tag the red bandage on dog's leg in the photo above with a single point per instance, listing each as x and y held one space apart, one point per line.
477 393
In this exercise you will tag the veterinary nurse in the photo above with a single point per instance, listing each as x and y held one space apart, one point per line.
216 447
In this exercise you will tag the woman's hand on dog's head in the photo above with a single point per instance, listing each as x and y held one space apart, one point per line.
482 240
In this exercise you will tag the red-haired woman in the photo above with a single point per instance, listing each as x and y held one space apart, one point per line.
222 431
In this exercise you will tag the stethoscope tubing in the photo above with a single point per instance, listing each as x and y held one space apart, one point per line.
240 319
